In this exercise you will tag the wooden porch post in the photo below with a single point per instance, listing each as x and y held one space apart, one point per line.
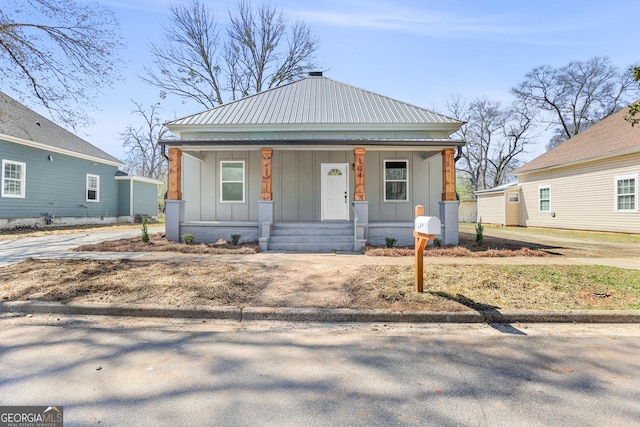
175 174
448 174
359 194
266 193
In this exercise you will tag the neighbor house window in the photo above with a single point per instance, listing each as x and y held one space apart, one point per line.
396 180
626 193
544 197
13 179
232 181
93 188
514 197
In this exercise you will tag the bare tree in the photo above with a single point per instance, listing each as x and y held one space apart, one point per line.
575 96
58 53
495 138
144 155
254 49
187 61
258 50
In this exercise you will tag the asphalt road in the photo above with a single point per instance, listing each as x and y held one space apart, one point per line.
150 372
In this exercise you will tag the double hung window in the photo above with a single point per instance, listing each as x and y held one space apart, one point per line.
13 179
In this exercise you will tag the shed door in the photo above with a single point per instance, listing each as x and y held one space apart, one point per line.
335 196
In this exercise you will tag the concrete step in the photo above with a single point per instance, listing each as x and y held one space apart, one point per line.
312 237
310 247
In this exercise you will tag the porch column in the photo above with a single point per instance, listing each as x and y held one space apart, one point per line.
359 194
360 203
448 174
265 205
175 174
449 203
266 174
174 205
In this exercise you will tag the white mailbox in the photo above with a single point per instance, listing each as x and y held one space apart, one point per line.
427 225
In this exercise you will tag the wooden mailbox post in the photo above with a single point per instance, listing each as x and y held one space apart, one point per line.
425 229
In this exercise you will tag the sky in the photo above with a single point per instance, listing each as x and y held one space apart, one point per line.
418 51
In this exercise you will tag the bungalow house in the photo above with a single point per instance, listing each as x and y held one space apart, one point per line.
51 176
589 182
311 165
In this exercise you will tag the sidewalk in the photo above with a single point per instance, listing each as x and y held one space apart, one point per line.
60 246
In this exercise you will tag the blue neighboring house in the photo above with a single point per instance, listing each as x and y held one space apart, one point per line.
51 176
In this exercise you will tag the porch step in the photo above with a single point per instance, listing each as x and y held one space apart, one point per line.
312 237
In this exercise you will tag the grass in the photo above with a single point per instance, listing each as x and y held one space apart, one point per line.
447 287
562 233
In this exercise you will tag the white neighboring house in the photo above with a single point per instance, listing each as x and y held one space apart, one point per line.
589 182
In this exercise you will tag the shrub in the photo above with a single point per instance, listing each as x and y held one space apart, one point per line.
188 238
145 232
437 242
390 241
235 238
479 232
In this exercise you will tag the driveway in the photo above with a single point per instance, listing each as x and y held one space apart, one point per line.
60 246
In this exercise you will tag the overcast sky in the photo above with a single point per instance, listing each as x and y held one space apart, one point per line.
420 52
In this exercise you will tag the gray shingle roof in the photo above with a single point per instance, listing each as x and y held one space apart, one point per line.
21 122
315 100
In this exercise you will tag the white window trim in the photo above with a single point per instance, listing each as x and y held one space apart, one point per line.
244 180
513 193
23 180
617 178
384 180
540 187
86 190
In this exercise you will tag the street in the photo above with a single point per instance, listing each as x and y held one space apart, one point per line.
113 371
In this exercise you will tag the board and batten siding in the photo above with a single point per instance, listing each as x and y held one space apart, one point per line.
201 187
124 198
582 196
58 187
296 185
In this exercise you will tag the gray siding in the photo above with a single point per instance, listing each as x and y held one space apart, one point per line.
124 198
145 198
58 187
296 185
201 187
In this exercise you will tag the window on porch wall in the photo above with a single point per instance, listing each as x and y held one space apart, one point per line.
396 180
232 181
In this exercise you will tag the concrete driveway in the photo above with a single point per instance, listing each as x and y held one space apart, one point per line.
61 246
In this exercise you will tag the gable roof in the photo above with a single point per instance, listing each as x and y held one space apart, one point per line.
22 125
611 136
315 100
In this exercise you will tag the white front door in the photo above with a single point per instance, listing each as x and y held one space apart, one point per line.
334 188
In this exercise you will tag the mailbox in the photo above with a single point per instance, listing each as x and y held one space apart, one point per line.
427 225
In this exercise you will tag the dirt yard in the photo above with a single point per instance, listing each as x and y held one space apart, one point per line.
529 275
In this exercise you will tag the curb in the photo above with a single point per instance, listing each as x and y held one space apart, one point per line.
324 315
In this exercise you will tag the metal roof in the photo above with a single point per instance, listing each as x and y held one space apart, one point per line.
20 122
315 100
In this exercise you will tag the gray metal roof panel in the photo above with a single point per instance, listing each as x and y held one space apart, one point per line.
315 100
21 122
